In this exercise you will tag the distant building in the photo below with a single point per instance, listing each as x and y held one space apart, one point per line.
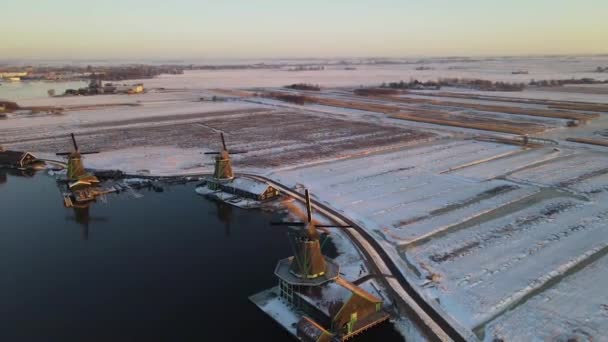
244 187
136 88
111 88
19 160
13 75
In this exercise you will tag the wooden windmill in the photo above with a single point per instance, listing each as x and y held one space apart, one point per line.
77 176
308 261
223 164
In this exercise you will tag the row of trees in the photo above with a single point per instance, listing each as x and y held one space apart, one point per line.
559 83
477 84
291 98
304 86
412 84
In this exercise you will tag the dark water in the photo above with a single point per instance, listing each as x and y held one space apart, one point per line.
170 266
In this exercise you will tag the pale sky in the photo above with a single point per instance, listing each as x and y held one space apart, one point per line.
299 28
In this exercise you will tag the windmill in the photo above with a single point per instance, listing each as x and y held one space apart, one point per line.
308 261
77 176
223 164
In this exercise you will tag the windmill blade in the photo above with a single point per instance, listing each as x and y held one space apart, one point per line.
295 210
294 224
213 152
238 152
74 141
223 142
332 226
308 206
63 153
90 152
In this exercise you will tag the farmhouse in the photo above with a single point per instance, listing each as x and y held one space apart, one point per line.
112 88
19 160
335 309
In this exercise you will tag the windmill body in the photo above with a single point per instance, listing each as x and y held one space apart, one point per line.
83 186
223 163
242 192
330 307
223 167
308 266
77 176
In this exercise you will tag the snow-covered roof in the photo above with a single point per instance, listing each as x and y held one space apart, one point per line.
333 295
249 185
329 300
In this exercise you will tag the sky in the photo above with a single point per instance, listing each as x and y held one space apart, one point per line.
215 29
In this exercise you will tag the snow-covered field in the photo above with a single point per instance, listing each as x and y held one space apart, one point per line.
499 69
477 225
163 135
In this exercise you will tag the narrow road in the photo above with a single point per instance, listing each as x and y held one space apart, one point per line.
408 300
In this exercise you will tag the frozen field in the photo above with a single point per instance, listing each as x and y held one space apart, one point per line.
168 133
336 76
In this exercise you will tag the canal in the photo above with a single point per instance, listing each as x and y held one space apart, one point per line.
169 266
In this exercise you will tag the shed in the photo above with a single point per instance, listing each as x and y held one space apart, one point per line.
247 188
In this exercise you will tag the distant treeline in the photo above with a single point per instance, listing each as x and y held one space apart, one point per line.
559 83
131 72
291 98
8 106
600 69
470 83
304 86
107 73
307 68
479 84
412 84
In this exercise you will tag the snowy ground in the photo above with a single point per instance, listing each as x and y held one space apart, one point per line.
336 76
482 227
165 136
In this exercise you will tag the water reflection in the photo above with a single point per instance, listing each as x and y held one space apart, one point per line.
4 173
83 217
224 214
155 273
